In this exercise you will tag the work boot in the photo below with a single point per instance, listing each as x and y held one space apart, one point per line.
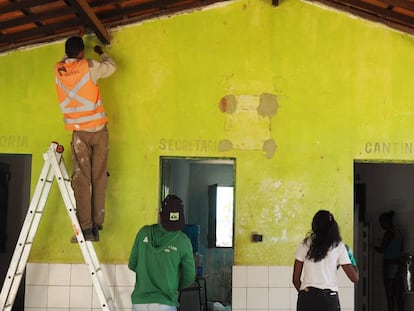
95 232
99 227
88 234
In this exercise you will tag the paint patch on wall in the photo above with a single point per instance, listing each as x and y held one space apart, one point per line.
269 148
268 105
228 104
225 145
248 123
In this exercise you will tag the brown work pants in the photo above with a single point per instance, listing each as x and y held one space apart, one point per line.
90 176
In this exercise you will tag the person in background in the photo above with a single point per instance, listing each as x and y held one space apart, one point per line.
392 252
84 114
162 259
317 260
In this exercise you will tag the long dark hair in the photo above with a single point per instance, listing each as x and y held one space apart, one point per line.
324 235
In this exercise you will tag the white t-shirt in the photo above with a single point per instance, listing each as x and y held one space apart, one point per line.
322 274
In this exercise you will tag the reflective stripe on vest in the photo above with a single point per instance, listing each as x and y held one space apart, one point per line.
72 94
96 116
80 111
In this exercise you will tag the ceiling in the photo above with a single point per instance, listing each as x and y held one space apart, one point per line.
397 14
28 22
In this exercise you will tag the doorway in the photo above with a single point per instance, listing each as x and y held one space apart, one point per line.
15 179
380 187
192 179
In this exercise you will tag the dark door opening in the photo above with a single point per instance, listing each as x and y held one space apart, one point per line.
380 187
15 180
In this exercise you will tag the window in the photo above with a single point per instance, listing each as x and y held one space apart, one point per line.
220 223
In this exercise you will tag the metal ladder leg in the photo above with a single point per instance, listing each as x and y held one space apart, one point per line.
88 251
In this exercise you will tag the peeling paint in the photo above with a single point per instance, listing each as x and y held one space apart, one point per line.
228 104
277 239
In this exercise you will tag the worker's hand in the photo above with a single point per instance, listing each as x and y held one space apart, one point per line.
98 49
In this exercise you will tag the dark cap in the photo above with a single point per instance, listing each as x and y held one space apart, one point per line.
172 213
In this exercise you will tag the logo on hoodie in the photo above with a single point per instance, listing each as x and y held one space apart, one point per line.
170 248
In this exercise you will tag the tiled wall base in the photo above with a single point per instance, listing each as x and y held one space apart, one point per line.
68 287
270 288
61 287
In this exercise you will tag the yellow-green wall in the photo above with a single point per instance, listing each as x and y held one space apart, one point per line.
341 84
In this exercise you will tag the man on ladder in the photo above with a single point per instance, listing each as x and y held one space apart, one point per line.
80 101
54 167
84 114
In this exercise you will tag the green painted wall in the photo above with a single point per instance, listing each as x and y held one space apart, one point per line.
342 84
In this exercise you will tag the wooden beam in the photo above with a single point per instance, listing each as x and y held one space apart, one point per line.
89 17
38 17
39 32
370 11
374 13
404 4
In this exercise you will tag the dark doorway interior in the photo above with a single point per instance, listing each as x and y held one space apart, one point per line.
15 179
380 187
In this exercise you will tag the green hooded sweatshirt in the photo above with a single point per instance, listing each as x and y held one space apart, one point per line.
163 263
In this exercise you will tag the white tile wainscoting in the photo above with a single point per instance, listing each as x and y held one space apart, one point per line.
68 287
270 288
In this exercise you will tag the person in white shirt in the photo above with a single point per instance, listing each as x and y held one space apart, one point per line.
317 260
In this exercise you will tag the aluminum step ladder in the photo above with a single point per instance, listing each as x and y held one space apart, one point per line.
54 167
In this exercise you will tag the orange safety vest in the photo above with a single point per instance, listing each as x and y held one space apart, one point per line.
79 98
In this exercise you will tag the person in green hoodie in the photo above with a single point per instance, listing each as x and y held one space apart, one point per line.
162 259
